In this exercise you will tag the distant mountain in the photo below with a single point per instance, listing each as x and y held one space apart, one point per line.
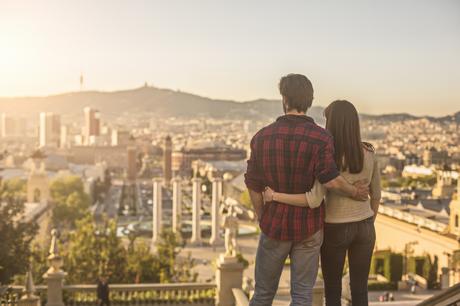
164 102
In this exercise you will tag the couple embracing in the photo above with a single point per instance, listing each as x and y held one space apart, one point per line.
316 193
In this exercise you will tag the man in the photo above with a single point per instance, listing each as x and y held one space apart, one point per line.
103 291
288 155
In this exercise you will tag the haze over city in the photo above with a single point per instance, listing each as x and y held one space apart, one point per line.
386 57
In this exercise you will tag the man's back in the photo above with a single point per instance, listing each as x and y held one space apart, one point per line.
288 156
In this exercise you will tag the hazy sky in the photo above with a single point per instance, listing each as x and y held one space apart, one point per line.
385 56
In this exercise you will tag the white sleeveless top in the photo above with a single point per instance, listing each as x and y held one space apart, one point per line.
342 209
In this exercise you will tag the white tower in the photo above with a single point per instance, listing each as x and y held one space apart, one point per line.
196 210
215 211
176 204
157 211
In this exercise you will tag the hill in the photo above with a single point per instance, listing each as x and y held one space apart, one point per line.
164 102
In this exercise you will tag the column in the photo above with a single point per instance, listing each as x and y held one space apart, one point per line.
176 204
196 209
215 211
157 202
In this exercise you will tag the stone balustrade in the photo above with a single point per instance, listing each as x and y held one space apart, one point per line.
420 221
195 294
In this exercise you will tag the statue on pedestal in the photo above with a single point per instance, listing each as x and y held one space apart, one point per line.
230 223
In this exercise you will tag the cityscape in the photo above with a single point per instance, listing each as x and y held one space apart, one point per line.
183 173
232 153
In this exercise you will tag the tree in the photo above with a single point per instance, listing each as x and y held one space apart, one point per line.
15 235
38 265
169 268
93 251
167 250
245 200
71 201
430 269
15 187
141 265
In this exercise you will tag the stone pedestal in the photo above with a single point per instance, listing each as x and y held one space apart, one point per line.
54 281
445 279
229 275
29 301
157 209
215 211
196 212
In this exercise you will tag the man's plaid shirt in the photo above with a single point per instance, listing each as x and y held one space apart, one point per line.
288 156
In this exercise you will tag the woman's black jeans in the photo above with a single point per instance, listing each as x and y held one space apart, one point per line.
357 239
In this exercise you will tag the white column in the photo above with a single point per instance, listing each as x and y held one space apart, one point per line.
176 205
157 202
215 211
196 209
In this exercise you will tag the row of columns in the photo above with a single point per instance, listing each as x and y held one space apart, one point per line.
196 209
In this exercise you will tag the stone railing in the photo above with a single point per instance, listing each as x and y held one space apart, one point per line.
448 297
406 216
196 294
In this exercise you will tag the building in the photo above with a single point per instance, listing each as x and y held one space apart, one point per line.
455 213
114 157
435 157
92 127
49 130
120 138
444 186
427 227
12 127
182 160
132 163
167 159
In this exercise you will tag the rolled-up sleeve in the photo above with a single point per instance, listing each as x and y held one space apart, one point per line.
325 168
254 178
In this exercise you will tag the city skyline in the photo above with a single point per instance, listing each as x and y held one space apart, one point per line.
384 57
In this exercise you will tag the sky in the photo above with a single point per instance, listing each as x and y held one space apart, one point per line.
384 56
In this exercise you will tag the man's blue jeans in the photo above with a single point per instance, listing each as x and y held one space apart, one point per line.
270 259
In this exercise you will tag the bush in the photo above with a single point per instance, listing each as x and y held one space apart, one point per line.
381 286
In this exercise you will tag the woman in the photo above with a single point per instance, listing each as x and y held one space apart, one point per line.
349 224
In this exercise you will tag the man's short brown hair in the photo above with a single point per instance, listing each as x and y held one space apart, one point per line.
297 92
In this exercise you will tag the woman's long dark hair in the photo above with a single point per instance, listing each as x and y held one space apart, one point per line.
342 121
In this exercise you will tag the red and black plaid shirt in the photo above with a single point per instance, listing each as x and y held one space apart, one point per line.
288 155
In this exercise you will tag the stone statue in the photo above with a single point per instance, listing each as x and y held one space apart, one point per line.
230 223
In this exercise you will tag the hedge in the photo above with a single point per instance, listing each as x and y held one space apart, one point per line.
392 265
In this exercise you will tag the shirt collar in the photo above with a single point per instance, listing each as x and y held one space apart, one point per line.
295 118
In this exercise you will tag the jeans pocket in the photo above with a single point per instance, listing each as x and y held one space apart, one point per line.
269 243
314 241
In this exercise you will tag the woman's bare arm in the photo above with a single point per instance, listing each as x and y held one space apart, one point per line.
310 199
375 189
